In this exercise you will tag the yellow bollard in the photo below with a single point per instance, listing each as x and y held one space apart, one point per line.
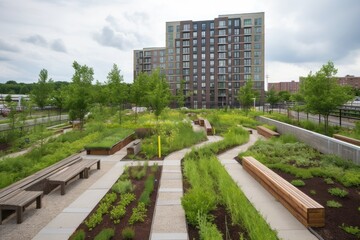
159 146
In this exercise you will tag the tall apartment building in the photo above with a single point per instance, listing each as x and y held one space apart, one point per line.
214 58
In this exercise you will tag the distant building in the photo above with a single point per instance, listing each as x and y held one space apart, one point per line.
214 57
350 80
291 87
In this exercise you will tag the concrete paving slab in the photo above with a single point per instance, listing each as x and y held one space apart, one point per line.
163 222
172 163
171 183
168 202
167 175
296 235
77 210
170 168
169 236
170 190
54 234
66 220
169 195
89 198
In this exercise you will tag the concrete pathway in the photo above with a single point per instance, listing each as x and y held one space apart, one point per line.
276 215
169 217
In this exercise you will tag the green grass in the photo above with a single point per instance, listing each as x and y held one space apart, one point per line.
109 141
338 192
298 183
333 204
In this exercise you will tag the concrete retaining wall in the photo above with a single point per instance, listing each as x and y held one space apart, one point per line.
318 141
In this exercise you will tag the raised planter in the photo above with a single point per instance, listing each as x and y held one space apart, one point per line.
347 139
110 150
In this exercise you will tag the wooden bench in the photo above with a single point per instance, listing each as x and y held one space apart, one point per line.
18 201
80 168
305 209
134 148
208 128
266 132
201 122
347 139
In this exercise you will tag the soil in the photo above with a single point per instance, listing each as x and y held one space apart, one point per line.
349 214
142 230
4 146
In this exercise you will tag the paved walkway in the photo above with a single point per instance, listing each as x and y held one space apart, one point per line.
169 217
276 215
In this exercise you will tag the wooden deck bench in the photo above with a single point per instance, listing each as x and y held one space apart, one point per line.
305 209
18 201
80 168
208 128
201 122
347 139
134 148
266 132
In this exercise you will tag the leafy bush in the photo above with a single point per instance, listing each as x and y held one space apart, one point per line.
338 192
128 233
120 210
298 183
207 230
351 230
333 204
138 214
328 181
78 235
105 234
149 188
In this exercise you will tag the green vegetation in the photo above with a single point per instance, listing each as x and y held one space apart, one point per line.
298 183
110 141
338 192
211 185
138 213
207 230
312 192
119 211
333 204
149 188
78 235
105 234
122 186
128 233
288 155
329 181
351 230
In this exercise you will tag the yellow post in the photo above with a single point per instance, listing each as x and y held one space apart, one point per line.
159 146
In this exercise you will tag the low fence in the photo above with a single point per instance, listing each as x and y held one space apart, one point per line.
318 141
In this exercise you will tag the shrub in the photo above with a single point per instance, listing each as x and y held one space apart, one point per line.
328 181
78 235
138 214
333 204
123 186
207 230
128 233
105 234
338 192
298 183
312 192
351 230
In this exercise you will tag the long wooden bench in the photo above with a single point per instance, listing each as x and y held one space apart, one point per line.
18 200
208 128
79 169
347 139
266 132
134 148
305 209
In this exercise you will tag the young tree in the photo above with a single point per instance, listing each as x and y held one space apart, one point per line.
246 96
79 92
117 89
272 97
180 96
323 94
42 89
58 99
158 93
138 91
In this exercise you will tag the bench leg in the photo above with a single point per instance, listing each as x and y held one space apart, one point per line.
62 187
38 202
0 216
19 213
98 165
85 173
82 174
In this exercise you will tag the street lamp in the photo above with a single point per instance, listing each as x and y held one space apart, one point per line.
254 102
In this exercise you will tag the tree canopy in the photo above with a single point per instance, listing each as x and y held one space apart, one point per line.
246 95
42 89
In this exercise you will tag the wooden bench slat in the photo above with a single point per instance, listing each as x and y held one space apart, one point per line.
304 208
268 133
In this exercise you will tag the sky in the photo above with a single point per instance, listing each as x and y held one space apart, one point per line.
300 36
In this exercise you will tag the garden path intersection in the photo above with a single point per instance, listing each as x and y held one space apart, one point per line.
59 218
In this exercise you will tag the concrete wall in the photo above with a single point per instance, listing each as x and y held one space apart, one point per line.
318 141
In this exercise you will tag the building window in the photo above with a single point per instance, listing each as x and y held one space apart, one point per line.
212 63
247 62
186 64
203 56
194 49
256 77
203 78
203 49
195 26
212 33
258 21
236 54
236 62
203 26
258 30
186 50
222 40
212 41
170 28
247 77
247 22
222 48
229 47
222 55
186 27
236 31
237 22
257 69
236 39
212 49
257 38
212 55
186 35
229 31
203 34
194 34
222 63
236 70
247 54
247 39
247 31
257 54
222 23
247 46
257 61
195 70
221 70
203 70
257 46
222 32
186 57
203 63
203 41
195 64
247 69
212 26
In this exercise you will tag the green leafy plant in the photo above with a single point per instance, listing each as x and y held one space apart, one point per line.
120 210
312 192
328 181
105 234
338 192
298 183
128 233
123 186
351 230
78 235
333 204
138 214
207 230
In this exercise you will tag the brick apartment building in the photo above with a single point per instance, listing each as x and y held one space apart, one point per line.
291 87
214 58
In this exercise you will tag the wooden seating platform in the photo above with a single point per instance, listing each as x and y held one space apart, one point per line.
347 139
305 209
266 132
208 128
18 201
134 148
80 168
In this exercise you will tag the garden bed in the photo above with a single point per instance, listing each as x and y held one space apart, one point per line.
141 229
110 144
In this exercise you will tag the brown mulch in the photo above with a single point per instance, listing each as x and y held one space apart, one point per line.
4 146
142 230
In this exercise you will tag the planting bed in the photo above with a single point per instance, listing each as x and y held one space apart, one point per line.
108 150
348 214
141 229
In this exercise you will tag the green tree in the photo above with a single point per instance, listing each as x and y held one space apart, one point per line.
284 96
58 99
79 92
323 94
138 91
158 94
117 89
42 89
272 97
180 96
8 99
246 96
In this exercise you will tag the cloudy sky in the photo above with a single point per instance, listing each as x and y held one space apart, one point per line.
51 34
